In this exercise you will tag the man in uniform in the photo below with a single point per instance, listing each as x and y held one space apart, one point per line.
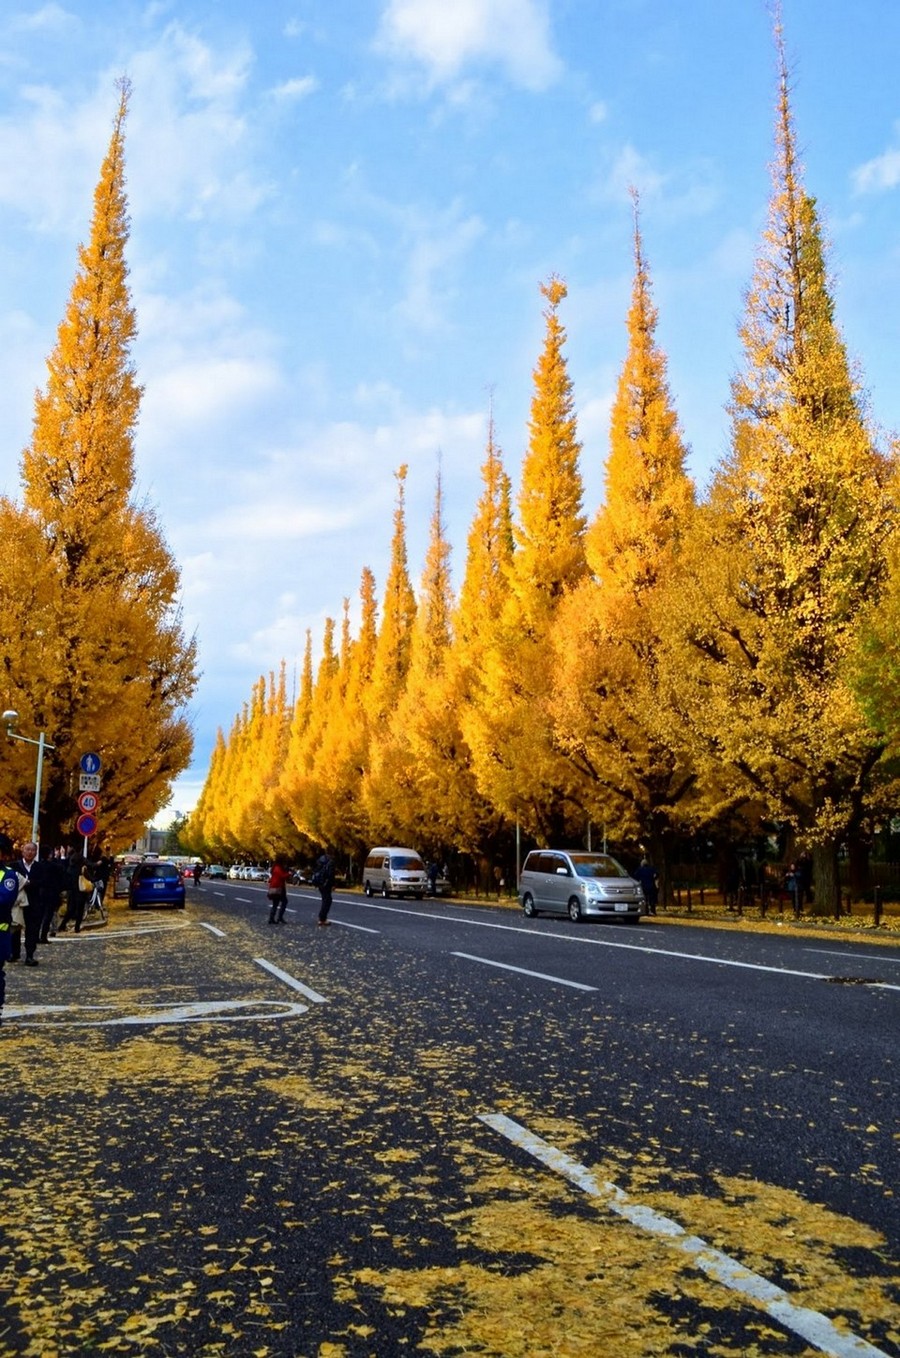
9 890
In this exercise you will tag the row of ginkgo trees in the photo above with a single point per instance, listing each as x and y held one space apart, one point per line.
677 664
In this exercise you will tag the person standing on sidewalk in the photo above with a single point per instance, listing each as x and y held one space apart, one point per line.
323 878
277 891
26 866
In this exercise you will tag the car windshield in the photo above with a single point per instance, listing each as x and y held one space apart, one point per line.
406 863
158 870
596 865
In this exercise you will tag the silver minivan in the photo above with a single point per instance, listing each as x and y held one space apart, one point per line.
395 872
580 885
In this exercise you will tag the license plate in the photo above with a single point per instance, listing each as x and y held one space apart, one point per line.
623 908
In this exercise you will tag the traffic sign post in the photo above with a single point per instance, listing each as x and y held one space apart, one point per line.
88 801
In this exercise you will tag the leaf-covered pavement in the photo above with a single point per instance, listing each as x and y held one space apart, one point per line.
320 1185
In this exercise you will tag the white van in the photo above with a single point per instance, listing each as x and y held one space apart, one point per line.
395 872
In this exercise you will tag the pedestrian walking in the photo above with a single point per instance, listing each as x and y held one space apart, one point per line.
277 890
48 877
649 880
78 888
323 878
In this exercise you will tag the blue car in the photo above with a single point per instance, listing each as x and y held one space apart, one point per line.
156 883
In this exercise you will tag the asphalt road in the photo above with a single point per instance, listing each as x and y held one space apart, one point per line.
441 1128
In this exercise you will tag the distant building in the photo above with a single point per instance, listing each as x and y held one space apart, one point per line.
152 841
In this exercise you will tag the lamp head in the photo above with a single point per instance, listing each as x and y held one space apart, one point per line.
10 717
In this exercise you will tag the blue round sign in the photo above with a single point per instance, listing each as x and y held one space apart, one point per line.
90 763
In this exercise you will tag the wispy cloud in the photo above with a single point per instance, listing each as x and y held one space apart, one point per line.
290 91
878 175
445 38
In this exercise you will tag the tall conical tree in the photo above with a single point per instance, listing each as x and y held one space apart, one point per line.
411 771
607 700
104 665
517 764
793 553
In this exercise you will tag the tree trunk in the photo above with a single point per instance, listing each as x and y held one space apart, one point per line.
858 848
826 885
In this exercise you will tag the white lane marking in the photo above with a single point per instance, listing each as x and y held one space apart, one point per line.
291 981
219 933
202 1011
812 1326
852 956
94 931
523 971
342 923
601 942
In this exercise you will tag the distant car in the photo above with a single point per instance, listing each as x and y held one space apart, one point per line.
215 870
299 876
187 870
257 875
441 886
234 872
156 883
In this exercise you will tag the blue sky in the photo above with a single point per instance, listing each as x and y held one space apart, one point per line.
341 213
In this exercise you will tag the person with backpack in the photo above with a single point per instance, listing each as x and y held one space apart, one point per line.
323 878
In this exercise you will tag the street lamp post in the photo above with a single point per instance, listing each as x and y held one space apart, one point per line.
11 718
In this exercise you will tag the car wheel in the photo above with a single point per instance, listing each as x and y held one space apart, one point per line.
528 905
368 888
574 909
385 893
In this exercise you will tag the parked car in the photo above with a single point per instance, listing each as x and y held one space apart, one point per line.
234 872
215 870
395 872
257 875
121 884
156 883
580 885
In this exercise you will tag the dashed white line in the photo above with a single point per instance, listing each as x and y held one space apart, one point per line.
523 971
291 981
219 933
812 1326
603 943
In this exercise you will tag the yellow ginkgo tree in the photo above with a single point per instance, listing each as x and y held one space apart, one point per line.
103 664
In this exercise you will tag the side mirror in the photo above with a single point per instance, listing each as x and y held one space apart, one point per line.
562 872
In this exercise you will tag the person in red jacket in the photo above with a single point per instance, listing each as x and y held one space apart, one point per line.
277 891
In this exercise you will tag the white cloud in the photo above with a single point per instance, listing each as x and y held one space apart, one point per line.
436 247
299 88
187 141
878 174
444 38
50 18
